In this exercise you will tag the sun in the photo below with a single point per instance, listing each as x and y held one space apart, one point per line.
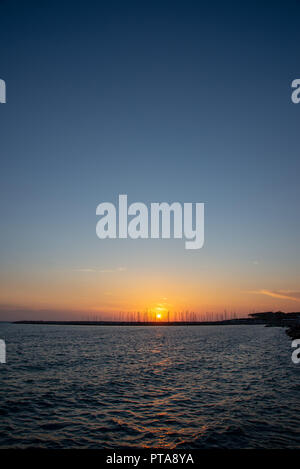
158 316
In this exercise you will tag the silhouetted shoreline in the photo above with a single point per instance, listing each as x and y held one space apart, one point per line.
269 319
142 323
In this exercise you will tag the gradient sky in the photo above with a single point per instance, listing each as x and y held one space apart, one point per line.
163 101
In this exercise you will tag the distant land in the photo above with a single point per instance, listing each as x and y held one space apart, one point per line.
269 319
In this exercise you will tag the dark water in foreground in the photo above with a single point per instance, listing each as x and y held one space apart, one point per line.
171 387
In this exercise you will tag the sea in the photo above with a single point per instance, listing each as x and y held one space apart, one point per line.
171 387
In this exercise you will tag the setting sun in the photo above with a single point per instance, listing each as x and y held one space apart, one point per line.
158 316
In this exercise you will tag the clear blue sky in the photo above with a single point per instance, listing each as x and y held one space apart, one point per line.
164 101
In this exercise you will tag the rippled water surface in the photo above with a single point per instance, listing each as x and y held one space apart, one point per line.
171 387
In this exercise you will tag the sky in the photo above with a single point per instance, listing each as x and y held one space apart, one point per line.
164 101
